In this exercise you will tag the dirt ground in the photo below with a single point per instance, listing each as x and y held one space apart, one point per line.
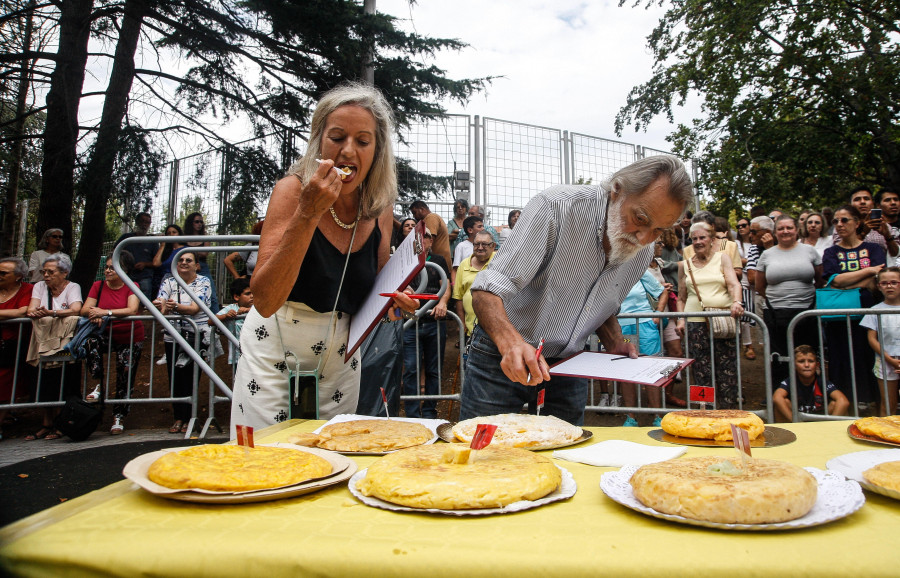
159 415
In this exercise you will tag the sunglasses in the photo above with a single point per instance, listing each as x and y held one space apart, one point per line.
842 220
185 260
56 236
744 226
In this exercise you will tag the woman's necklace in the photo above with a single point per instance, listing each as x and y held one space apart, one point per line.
341 223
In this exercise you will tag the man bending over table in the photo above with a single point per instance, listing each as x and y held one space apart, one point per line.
562 277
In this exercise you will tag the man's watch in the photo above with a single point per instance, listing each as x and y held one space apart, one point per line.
109 311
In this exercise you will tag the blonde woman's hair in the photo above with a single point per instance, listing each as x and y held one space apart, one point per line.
379 190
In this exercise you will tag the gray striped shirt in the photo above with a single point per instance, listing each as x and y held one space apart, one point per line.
552 275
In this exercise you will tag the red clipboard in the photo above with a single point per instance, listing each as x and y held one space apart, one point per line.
406 262
591 365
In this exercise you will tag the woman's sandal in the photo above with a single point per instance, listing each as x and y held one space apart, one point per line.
749 353
183 428
39 434
176 427
54 435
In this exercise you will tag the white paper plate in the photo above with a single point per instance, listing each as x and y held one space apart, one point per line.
431 424
838 497
565 491
853 465
342 469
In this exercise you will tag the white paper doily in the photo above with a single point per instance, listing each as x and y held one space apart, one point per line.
838 497
565 491
853 465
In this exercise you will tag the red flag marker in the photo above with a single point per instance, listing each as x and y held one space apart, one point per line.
484 433
245 435
540 401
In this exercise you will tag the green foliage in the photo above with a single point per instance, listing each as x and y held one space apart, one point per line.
30 176
246 184
799 99
413 184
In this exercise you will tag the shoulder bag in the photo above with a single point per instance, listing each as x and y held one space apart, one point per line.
829 297
721 327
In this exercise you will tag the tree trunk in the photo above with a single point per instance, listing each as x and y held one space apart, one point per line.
61 127
15 162
97 181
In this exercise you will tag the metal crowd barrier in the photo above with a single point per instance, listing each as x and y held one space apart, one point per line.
767 413
823 357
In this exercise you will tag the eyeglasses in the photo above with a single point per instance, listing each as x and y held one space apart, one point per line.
56 236
49 271
888 283
842 220
185 260
108 268
744 226
482 245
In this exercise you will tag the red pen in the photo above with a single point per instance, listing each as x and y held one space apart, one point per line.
424 296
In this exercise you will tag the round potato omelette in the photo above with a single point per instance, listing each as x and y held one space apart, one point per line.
714 489
886 428
373 435
515 430
885 475
432 477
234 469
711 424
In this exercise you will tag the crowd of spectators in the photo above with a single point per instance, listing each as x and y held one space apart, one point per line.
770 264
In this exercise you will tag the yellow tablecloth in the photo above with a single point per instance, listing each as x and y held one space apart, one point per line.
122 530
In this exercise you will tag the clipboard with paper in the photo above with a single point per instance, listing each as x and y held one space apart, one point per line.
655 371
406 262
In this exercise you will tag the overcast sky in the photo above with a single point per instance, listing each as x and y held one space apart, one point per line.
566 64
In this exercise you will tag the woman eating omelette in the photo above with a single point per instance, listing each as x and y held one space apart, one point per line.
305 287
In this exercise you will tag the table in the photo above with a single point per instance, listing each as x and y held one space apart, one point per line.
122 530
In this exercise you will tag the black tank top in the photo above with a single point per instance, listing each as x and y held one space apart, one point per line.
320 275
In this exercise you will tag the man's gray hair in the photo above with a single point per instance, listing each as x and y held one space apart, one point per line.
483 233
764 223
62 263
639 175
379 190
20 267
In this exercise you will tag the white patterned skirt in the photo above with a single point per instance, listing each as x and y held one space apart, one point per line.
261 391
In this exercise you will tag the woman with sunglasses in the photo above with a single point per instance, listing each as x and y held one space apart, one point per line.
50 244
851 263
173 300
106 300
195 225
815 234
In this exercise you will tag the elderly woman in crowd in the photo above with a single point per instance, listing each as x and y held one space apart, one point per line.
248 257
15 295
173 300
50 244
54 308
786 278
106 300
815 235
454 226
852 263
328 233
711 274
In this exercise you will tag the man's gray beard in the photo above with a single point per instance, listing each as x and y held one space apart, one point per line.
621 249
139 231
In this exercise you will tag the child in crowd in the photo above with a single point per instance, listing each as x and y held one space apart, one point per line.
243 301
809 391
889 284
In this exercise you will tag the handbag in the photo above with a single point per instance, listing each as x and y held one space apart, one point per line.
720 327
78 418
829 297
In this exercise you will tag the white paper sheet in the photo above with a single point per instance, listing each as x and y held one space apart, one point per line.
647 370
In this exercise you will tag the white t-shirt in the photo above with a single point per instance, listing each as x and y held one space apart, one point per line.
890 326
70 294
463 250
